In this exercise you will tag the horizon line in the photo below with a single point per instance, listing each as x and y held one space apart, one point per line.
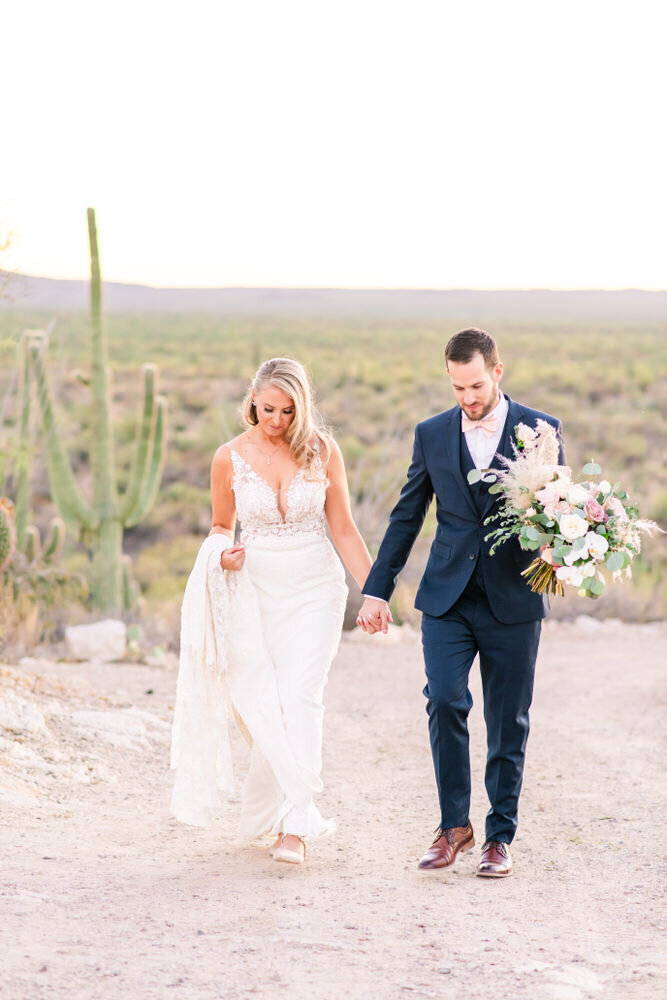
8 275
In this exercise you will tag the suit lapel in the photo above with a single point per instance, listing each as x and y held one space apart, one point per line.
514 415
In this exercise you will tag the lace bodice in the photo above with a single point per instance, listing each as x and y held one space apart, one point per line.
257 503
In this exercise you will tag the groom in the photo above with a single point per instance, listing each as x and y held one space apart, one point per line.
471 602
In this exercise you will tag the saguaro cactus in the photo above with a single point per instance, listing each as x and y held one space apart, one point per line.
103 520
7 533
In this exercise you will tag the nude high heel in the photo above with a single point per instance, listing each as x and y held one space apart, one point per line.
281 853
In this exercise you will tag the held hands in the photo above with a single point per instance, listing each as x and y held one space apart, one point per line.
233 558
374 615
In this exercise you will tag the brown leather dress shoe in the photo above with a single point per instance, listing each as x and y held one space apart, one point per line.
447 845
496 860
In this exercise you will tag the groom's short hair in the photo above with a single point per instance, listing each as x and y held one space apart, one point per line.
463 346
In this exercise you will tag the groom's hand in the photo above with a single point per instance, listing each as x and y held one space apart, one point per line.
374 615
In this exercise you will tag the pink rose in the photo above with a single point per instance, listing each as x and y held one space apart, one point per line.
595 511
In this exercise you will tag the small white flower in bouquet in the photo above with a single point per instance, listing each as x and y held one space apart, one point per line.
580 529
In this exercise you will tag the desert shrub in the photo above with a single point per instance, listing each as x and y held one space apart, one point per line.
35 602
162 569
659 508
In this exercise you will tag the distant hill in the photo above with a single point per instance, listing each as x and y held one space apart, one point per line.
631 305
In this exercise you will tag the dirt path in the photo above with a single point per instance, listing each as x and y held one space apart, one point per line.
103 895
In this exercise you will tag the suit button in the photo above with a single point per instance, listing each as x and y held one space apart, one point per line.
471 556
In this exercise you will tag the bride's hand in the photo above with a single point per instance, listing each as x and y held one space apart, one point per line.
233 558
374 616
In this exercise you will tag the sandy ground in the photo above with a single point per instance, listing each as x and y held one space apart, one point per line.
104 895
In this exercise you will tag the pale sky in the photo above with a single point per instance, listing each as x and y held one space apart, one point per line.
359 143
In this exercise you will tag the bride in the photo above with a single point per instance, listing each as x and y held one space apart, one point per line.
261 632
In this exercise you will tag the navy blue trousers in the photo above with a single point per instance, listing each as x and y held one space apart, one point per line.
507 655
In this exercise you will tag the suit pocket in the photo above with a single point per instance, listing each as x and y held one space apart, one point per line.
441 549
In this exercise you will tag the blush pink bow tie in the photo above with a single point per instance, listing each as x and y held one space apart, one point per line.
488 424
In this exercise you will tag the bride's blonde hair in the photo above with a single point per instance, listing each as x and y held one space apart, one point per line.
306 435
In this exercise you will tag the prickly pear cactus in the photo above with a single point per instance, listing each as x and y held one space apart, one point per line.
7 533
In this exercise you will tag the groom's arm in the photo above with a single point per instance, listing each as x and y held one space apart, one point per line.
405 522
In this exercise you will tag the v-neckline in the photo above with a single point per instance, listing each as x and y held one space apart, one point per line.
275 492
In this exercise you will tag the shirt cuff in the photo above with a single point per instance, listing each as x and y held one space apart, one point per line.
374 598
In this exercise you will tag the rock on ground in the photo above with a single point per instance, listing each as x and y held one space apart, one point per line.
104 641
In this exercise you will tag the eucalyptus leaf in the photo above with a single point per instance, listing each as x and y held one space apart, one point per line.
529 544
578 543
596 587
614 561
474 476
532 533
489 477
591 469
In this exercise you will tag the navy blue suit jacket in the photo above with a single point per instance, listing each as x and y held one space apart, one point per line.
459 539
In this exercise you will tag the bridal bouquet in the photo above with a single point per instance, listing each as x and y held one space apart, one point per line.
580 529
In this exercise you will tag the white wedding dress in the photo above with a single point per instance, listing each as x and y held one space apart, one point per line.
260 640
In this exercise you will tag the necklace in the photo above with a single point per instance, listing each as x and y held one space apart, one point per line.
271 453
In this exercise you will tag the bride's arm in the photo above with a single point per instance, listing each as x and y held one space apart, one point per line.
344 532
224 508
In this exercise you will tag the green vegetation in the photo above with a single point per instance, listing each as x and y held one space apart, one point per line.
35 588
374 380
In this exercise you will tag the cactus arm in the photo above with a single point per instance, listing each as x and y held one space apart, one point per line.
7 533
105 496
33 544
153 475
55 540
66 493
23 457
145 447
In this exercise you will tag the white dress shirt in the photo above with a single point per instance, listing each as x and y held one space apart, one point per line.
483 446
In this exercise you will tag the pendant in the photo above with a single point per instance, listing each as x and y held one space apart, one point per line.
268 460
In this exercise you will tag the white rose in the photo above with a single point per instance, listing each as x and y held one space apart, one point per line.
577 495
604 487
572 526
596 544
